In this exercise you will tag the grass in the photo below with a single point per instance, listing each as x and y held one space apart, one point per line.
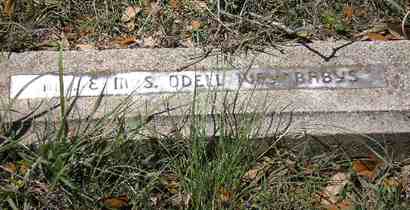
111 162
83 170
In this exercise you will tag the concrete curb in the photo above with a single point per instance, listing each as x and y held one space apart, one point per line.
368 109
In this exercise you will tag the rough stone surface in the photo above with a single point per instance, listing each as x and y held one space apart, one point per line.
317 111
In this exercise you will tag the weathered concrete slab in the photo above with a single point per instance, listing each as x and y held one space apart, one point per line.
365 88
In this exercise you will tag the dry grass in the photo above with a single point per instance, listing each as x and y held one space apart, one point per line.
231 25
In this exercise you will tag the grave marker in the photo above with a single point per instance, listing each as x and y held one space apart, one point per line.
364 89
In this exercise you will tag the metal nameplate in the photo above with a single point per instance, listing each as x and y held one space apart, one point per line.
143 82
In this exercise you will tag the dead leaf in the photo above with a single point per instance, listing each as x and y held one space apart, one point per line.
170 181
361 12
130 26
358 166
155 199
8 7
172 186
130 13
174 4
9 167
124 42
405 180
195 24
82 47
348 13
368 167
256 172
181 200
68 29
24 167
336 185
392 37
115 202
251 174
186 43
86 29
149 42
200 6
39 188
378 28
225 196
391 183
311 168
342 205
375 36
72 37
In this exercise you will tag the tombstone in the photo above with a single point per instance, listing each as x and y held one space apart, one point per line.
319 89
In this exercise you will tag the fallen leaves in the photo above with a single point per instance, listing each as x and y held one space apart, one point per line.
182 200
84 47
20 167
384 32
186 43
24 167
256 173
8 6
330 197
175 4
336 185
405 181
195 24
225 196
149 42
133 42
367 167
342 205
171 183
51 39
391 182
126 41
39 188
200 6
375 37
9 167
348 13
129 15
336 194
117 202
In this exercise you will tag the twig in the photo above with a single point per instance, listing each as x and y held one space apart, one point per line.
324 57
272 23
276 24
218 19
403 22
167 110
201 58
